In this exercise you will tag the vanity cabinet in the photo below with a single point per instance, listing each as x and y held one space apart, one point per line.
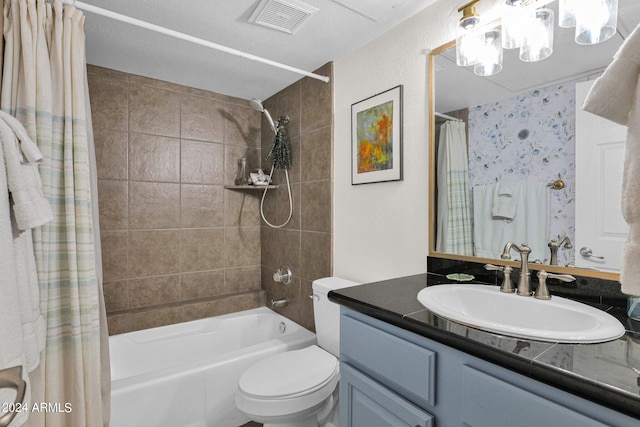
393 377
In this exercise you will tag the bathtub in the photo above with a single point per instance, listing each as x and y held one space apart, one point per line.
186 375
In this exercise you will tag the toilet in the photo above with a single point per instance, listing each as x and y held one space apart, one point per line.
299 388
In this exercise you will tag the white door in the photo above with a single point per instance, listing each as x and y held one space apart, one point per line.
600 228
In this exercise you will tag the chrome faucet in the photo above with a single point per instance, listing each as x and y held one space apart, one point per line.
554 245
524 284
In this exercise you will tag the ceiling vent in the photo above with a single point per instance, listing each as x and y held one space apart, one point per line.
283 15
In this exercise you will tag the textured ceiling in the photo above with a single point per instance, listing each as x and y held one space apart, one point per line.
339 27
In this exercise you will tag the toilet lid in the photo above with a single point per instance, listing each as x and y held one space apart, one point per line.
290 373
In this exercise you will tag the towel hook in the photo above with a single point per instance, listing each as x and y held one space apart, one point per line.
558 184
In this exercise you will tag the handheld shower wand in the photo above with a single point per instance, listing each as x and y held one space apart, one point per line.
256 104
280 153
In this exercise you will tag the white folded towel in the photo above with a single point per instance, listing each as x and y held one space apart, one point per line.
30 207
616 96
28 148
11 327
488 233
22 327
505 200
506 188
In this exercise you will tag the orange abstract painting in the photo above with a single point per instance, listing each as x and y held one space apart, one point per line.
375 138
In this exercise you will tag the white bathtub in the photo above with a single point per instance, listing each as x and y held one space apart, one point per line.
185 375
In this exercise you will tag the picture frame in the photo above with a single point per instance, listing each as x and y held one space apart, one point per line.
376 138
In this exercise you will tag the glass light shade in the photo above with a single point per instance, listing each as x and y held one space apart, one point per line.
489 58
513 27
538 40
596 20
468 44
567 13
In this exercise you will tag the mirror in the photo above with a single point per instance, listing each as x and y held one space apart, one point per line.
519 126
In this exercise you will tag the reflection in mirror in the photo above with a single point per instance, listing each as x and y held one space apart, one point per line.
504 149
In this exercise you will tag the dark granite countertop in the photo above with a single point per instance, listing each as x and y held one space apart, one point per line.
597 372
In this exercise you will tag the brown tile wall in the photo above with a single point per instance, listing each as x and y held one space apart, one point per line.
305 244
176 245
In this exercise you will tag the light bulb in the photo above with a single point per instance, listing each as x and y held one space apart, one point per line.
596 20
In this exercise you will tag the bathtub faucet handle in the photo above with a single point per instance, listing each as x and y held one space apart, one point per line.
283 275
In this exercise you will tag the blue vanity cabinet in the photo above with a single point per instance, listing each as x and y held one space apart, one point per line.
392 377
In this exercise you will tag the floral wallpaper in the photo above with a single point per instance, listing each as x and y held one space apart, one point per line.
529 137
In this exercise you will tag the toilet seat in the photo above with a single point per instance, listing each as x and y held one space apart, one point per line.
290 374
295 383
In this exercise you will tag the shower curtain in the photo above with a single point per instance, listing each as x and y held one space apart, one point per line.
44 86
454 228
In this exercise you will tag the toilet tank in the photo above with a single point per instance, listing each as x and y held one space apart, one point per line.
327 314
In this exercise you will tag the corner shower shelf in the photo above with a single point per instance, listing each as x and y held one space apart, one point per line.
249 187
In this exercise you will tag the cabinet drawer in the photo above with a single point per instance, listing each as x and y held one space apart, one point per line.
365 403
407 368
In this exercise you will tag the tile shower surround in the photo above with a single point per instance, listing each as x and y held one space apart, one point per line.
305 243
176 245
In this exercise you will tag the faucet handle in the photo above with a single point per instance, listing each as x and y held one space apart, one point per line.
507 284
562 277
492 267
542 292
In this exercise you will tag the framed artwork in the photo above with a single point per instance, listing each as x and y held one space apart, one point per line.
376 138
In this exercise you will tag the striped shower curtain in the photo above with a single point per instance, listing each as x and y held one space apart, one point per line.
454 225
44 85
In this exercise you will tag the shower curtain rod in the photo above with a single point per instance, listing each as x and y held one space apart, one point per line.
446 116
191 39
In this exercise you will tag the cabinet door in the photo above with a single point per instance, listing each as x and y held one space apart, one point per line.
488 401
366 403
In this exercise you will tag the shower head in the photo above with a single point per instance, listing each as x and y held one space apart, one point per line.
256 104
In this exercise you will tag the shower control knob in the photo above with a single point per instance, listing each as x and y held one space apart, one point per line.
283 275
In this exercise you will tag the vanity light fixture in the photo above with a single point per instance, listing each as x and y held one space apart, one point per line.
467 36
478 45
596 20
537 43
528 25
567 13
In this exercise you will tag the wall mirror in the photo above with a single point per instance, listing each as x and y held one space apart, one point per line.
519 133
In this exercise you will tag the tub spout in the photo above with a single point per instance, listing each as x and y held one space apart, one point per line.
282 302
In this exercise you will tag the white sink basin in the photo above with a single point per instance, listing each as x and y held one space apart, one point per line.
556 320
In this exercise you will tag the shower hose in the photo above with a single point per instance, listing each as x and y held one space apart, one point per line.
286 172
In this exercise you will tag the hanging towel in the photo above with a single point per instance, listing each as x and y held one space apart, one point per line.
11 336
616 96
505 200
488 233
30 208
531 225
22 327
